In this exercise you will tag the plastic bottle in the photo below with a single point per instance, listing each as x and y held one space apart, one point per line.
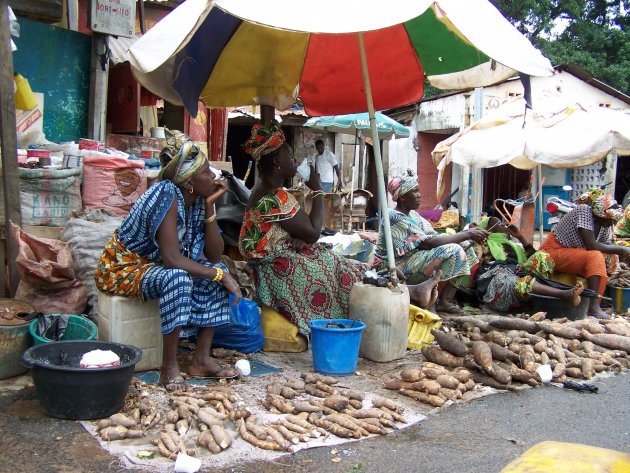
24 96
385 313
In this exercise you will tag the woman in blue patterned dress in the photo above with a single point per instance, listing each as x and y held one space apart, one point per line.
420 251
169 248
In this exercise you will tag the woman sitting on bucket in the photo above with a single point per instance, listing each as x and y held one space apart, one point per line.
420 252
169 248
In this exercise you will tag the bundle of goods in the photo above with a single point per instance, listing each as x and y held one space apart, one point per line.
621 277
500 352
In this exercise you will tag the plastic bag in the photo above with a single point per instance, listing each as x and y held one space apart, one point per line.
421 322
244 333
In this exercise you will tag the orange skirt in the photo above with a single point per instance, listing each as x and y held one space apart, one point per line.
580 261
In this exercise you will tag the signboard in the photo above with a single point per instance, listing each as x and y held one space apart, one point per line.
114 17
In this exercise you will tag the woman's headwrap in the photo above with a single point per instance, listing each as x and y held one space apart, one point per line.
264 140
180 159
399 186
602 204
622 229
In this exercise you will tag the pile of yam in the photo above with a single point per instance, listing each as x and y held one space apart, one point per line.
621 277
501 352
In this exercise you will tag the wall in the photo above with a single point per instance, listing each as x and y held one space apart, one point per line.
56 62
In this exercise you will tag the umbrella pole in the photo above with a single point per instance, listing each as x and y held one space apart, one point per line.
380 178
540 202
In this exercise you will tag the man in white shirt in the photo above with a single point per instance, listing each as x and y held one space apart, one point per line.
326 165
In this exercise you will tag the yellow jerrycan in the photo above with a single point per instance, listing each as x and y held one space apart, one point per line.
24 96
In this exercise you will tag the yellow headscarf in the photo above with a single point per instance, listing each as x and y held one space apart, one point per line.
180 159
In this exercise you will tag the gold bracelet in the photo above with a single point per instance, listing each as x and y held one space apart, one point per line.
219 274
211 219
318 193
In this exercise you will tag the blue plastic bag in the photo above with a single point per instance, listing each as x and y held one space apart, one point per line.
244 333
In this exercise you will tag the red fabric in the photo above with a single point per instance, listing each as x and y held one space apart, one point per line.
332 80
578 261
147 98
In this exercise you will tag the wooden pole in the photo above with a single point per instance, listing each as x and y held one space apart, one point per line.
99 74
10 177
267 113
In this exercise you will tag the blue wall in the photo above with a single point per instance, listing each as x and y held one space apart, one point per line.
56 62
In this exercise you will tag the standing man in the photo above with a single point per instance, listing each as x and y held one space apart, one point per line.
326 165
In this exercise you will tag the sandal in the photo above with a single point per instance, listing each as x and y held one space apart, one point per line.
176 384
601 316
221 374
451 309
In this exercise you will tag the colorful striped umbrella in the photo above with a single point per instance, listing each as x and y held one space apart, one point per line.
276 52
334 57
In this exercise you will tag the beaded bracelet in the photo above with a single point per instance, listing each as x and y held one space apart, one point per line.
219 275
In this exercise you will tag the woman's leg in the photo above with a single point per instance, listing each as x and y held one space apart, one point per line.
202 364
425 294
169 371
570 295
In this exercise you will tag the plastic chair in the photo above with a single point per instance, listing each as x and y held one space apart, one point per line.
519 213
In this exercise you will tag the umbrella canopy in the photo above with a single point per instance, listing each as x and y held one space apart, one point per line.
359 123
555 133
237 52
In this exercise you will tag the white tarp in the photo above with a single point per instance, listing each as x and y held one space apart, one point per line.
555 134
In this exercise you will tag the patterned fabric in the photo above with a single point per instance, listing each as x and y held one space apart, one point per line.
311 285
180 159
622 229
567 233
399 186
119 271
408 232
131 263
506 290
186 300
264 140
603 205
261 231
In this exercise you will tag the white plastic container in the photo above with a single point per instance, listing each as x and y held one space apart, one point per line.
386 315
132 322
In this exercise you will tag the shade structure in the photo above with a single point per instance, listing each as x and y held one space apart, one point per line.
556 133
334 57
237 52
359 123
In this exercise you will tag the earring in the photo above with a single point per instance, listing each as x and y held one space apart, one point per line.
191 189
278 168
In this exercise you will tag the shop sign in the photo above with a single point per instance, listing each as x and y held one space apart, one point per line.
114 17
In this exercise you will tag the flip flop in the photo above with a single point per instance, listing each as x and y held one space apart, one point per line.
176 384
216 375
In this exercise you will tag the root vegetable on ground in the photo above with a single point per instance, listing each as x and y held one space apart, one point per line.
427 385
255 441
423 397
411 375
380 401
312 378
221 437
336 402
483 356
449 343
441 357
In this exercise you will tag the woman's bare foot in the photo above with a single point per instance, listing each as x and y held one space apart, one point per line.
573 295
208 367
425 294
171 378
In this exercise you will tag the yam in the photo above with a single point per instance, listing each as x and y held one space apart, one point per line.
411 375
103 423
165 452
312 378
498 338
287 434
182 426
295 384
462 375
314 391
608 340
483 356
356 404
470 384
558 370
538 316
255 441
500 374
336 402
501 353
367 413
526 357
426 385
447 381
171 416
441 357
433 373
114 432
587 368
380 401
353 394
541 346
482 378
449 344
560 330
303 406
573 372
334 428
257 430
423 397
395 415
122 419
513 323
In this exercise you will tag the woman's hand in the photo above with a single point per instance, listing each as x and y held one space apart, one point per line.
313 182
220 188
477 235
298 245
232 286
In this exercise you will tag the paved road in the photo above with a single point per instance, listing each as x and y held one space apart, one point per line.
478 437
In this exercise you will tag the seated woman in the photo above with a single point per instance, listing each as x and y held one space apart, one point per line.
580 240
294 275
420 251
169 248
503 290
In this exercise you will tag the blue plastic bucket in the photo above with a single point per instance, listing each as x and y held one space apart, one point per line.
620 298
336 350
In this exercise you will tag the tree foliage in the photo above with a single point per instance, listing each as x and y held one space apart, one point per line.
593 34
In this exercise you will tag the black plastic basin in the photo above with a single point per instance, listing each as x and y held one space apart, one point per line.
69 392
